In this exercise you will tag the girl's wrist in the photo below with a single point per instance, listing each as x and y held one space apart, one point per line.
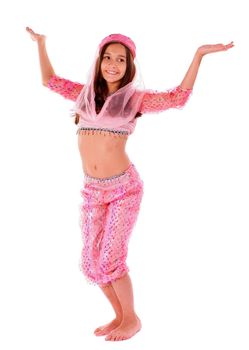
199 54
41 41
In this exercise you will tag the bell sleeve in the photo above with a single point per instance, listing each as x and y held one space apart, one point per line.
154 101
66 88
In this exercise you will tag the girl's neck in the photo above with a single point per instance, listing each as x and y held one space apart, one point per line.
112 88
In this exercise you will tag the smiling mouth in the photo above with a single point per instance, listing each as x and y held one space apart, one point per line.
111 72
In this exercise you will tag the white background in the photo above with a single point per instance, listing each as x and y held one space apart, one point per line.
189 251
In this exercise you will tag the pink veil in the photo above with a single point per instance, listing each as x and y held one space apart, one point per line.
119 108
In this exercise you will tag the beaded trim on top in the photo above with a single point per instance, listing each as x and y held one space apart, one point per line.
121 132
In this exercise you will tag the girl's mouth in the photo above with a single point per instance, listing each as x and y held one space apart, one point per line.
111 72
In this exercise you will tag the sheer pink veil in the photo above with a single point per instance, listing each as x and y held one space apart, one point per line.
119 108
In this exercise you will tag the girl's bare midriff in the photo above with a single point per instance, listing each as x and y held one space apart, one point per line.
103 155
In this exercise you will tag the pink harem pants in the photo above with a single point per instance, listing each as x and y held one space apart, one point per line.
107 216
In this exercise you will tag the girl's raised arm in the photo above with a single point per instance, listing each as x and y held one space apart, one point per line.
190 77
177 97
64 87
46 68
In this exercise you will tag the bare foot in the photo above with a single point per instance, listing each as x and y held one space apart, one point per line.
106 329
126 330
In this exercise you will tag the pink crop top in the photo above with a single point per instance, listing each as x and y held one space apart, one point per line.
152 102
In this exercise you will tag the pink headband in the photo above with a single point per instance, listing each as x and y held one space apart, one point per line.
121 39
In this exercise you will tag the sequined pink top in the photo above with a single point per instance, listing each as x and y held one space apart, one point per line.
152 102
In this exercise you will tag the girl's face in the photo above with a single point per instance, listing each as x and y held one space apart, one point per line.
113 65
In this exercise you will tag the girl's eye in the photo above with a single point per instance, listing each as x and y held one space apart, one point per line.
120 60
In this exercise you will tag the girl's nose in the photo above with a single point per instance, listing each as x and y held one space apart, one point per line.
111 63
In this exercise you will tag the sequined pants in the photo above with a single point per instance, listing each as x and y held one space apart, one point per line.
108 214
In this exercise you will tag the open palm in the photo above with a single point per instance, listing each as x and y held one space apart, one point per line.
205 49
35 36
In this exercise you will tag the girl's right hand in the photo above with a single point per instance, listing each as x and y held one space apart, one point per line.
35 36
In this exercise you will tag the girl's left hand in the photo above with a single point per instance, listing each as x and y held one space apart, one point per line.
205 49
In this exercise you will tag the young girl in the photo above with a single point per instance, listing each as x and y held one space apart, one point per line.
106 111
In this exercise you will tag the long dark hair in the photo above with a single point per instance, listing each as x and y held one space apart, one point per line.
100 86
